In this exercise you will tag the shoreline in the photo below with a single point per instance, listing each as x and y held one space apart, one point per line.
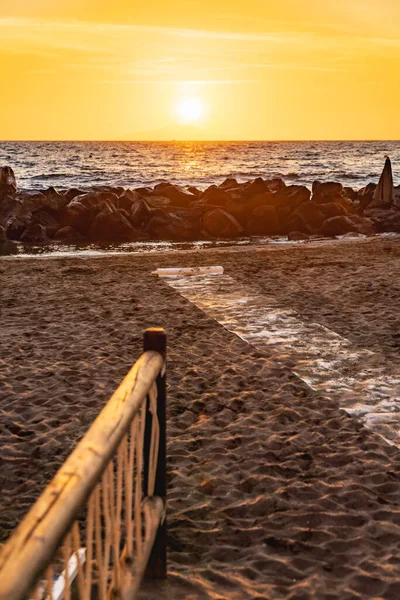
170 247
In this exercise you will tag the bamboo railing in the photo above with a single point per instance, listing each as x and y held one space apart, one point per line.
101 521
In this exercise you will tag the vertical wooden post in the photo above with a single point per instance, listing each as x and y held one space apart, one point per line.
155 339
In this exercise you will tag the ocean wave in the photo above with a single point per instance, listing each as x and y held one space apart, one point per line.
51 176
343 175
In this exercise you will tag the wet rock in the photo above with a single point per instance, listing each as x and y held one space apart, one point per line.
112 226
332 209
53 200
178 196
263 221
68 235
350 193
293 195
257 186
126 200
315 185
229 183
193 190
276 184
34 234
311 214
385 220
140 213
16 211
297 236
366 195
342 224
283 214
242 208
218 223
82 210
324 192
144 191
215 196
295 222
158 201
108 189
8 183
49 222
178 225
73 193
363 225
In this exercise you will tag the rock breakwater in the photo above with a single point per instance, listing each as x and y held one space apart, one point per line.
260 207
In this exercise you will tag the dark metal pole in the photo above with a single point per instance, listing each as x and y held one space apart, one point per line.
155 339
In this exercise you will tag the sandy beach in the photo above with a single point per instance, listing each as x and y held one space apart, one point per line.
274 491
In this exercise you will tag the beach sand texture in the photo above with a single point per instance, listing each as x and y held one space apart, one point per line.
274 492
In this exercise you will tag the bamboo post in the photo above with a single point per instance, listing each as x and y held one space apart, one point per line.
155 339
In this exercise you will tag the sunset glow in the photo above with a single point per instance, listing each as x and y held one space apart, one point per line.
99 70
190 109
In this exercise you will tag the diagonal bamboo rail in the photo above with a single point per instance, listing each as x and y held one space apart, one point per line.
110 493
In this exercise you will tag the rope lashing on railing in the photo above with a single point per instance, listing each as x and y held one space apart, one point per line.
123 524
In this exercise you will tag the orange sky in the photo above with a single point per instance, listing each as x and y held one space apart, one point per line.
117 69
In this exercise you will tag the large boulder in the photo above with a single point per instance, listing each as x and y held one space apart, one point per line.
72 193
49 222
68 236
366 195
295 222
293 195
332 209
263 221
54 201
82 210
158 201
193 190
140 213
8 183
108 189
311 214
324 192
283 214
276 184
178 196
255 187
350 193
215 196
112 226
126 200
177 225
16 211
385 220
241 208
342 224
34 234
229 183
218 223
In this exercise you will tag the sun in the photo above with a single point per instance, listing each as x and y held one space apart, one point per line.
190 109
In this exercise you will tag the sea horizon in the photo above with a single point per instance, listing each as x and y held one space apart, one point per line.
64 164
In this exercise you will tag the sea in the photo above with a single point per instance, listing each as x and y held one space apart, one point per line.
39 165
